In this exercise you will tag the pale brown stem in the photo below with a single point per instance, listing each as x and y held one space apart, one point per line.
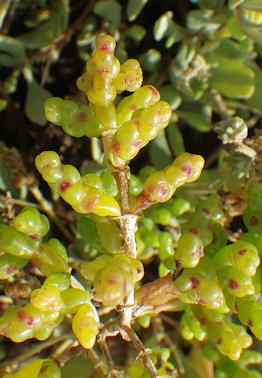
143 355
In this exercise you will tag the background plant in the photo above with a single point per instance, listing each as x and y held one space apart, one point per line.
197 54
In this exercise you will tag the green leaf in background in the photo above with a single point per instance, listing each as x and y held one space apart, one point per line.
204 19
232 78
162 24
10 83
50 29
35 98
150 59
110 10
196 119
170 95
4 8
12 52
34 104
134 7
255 101
159 151
3 104
166 27
175 139
136 32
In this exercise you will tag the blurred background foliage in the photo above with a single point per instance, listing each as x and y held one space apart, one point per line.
204 56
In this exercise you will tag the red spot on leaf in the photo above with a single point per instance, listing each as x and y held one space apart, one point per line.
30 321
9 270
206 211
82 117
187 170
35 236
242 252
253 221
64 185
198 252
233 285
88 203
22 317
193 231
116 147
203 321
133 107
103 69
153 90
194 282
138 144
104 46
219 341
